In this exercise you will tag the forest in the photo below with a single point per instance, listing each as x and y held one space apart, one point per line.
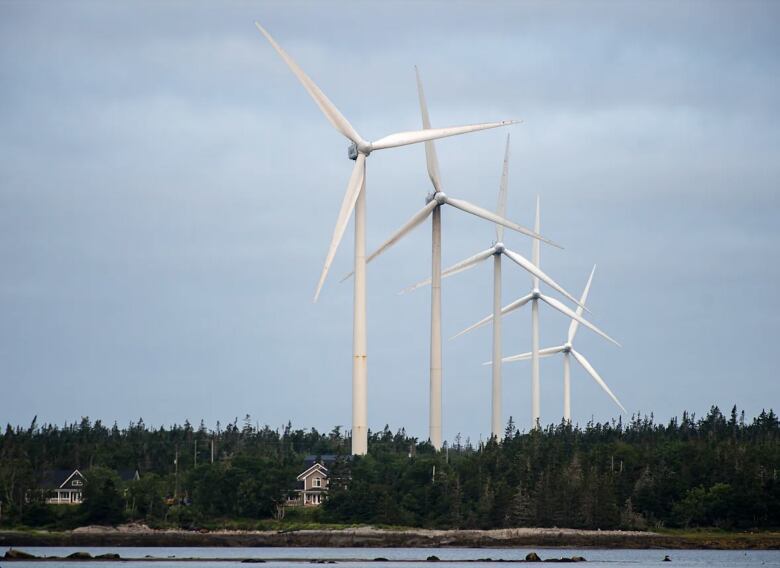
715 471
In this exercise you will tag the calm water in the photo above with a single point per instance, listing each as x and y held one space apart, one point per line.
301 557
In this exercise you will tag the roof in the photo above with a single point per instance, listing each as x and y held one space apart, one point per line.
128 474
54 478
317 467
324 459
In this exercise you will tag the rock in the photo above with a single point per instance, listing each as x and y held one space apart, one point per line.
13 554
79 556
380 559
108 556
432 558
252 561
578 559
532 557
667 559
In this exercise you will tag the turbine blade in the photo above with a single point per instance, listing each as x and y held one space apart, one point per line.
502 193
416 219
552 302
490 216
592 372
519 303
347 205
330 111
536 250
537 273
477 325
461 266
415 136
574 323
431 160
548 352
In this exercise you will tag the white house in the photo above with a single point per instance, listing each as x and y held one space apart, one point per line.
64 487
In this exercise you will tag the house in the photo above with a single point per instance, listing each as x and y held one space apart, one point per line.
312 485
63 486
66 486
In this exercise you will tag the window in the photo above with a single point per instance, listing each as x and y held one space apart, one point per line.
317 482
77 483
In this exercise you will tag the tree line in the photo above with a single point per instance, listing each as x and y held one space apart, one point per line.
715 471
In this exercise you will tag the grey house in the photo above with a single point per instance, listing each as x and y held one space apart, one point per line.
66 486
63 486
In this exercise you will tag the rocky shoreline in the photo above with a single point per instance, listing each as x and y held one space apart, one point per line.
368 537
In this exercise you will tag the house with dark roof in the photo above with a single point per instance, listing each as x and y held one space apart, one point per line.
63 486
66 486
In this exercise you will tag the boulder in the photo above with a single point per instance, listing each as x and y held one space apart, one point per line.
13 554
532 557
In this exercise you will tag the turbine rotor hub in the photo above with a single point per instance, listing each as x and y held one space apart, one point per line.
567 348
440 197
499 246
536 294
361 148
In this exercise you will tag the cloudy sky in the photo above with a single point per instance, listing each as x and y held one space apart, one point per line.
168 190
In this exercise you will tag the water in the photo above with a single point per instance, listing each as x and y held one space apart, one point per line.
398 557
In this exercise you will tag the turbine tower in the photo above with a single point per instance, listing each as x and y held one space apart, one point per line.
567 349
355 199
434 202
534 297
496 251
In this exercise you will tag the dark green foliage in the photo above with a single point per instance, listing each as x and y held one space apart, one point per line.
715 471
103 500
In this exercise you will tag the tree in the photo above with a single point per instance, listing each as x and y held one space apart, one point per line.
103 502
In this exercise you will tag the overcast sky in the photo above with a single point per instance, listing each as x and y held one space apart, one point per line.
168 190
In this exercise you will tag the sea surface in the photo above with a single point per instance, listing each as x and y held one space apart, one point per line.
397 557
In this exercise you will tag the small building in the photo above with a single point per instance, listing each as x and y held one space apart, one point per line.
312 488
66 486
63 487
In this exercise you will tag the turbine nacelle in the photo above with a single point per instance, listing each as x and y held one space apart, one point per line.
355 149
438 196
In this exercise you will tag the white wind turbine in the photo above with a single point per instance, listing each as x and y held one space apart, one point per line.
355 199
434 202
496 251
567 350
534 298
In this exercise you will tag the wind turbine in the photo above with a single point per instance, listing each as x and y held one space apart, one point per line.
534 298
434 202
496 251
567 350
355 199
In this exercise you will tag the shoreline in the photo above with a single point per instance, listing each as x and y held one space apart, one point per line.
369 537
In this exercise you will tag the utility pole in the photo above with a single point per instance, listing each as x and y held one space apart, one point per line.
176 474
195 457
212 450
